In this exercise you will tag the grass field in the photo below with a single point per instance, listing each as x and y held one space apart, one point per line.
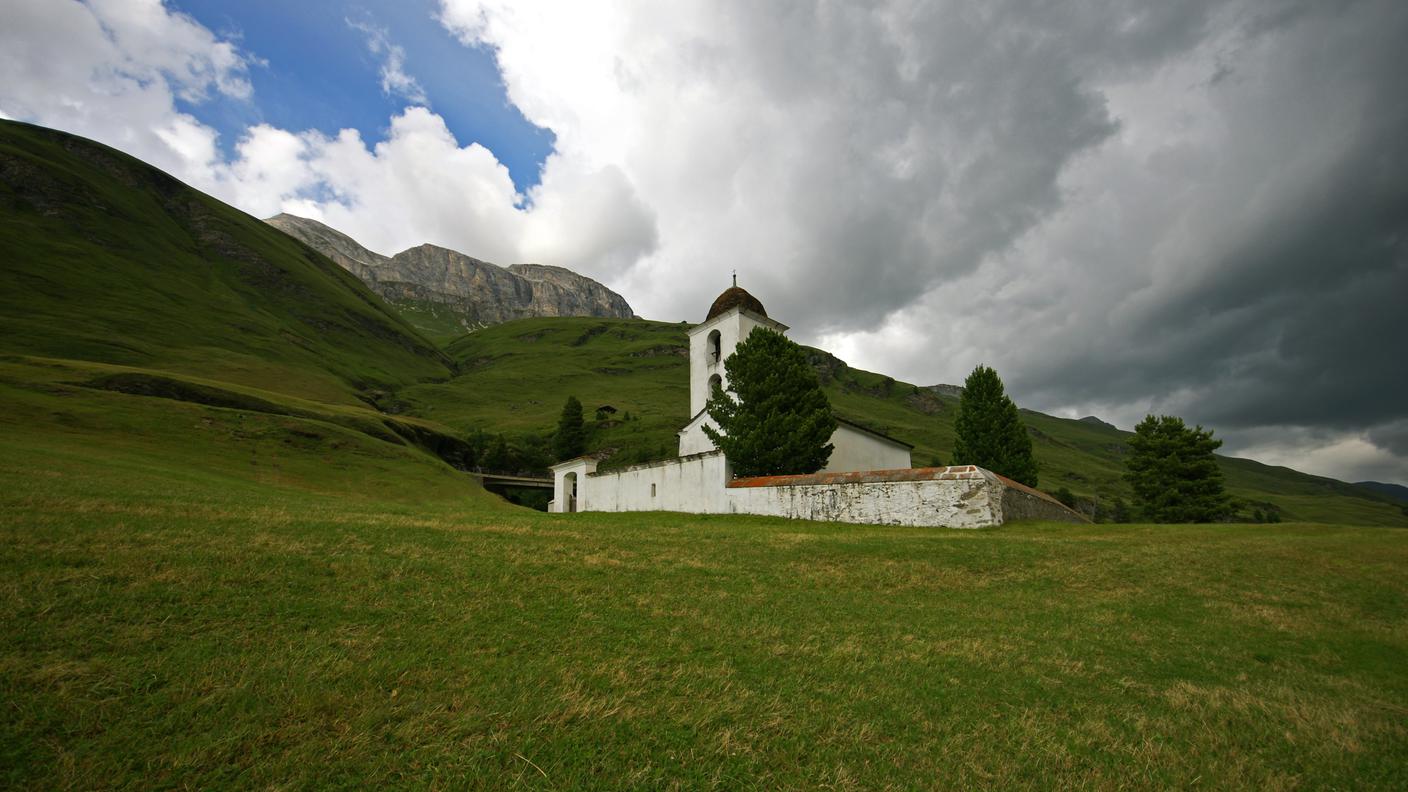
220 608
222 565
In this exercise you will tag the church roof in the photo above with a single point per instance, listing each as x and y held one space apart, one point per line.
735 297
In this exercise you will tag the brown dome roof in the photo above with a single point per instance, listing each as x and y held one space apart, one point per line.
735 297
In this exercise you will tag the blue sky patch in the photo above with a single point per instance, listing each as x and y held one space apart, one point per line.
318 73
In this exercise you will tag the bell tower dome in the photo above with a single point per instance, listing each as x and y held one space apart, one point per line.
731 317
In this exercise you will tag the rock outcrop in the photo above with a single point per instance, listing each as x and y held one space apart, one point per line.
479 292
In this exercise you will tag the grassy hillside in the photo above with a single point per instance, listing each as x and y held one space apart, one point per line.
110 260
198 597
515 377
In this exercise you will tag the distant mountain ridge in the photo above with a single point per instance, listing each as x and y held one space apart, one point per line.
446 292
1396 491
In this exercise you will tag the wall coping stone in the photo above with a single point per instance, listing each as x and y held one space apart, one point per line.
950 473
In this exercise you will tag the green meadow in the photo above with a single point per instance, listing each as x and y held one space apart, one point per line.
199 597
233 555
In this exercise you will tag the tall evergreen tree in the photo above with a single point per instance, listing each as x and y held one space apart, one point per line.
1173 472
570 440
990 433
776 420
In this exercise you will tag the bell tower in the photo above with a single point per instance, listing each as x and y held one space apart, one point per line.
731 318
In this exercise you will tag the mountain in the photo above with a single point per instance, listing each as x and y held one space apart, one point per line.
447 293
1094 421
1397 492
109 260
146 325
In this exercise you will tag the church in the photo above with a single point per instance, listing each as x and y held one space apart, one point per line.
868 478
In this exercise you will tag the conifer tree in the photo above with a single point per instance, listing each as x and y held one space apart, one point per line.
570 440
1121 512
1173 472
990 433
776 419
498 458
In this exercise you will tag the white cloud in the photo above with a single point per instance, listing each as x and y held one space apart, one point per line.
394 79
126 61
112 69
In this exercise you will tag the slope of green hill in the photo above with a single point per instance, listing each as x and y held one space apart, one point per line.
127 289
515 377
107 259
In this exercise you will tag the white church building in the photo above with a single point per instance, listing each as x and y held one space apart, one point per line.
868 478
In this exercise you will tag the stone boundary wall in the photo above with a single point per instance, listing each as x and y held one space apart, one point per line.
1020 502
954 497
950 473
962 496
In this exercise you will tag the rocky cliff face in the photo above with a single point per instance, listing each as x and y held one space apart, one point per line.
477 292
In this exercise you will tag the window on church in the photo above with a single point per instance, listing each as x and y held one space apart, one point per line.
652 490
715 346
715 383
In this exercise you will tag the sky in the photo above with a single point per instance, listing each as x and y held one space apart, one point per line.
1124 206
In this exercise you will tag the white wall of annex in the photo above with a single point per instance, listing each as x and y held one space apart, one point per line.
856 450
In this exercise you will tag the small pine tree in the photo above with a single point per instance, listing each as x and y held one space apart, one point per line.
1066 497
1121 513
570 439
990 433
777 420
1173 472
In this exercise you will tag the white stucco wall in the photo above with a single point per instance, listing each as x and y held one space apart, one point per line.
700 484
858 450
854 449
692 484
692 437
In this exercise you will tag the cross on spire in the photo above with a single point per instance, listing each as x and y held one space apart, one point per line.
735 279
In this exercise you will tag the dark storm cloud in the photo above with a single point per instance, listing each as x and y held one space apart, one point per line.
1194 209
945 129
1297 316
1392 437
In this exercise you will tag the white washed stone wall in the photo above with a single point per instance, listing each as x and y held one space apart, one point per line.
856 450
700 485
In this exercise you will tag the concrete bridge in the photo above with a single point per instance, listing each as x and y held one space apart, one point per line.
523 490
